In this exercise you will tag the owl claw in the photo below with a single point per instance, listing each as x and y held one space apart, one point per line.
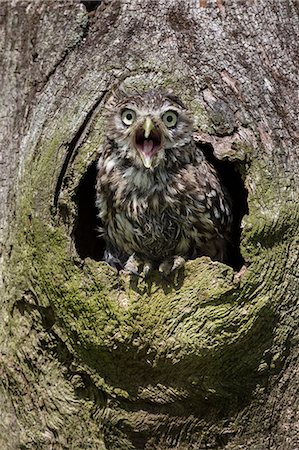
132 265
178 262
169 266
112 260
147 269
165 267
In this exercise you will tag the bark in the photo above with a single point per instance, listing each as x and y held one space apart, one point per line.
88 358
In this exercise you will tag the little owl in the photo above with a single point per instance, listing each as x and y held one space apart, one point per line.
159 200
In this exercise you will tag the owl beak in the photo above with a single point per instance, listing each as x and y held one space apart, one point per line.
148 126
147 161
148 141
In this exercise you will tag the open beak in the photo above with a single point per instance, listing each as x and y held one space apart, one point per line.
148 126
148 140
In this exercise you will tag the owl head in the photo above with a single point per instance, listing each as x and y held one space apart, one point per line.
148 128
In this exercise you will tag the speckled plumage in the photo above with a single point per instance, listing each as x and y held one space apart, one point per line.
175 207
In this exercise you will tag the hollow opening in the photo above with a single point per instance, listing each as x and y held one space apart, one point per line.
86 235
231 178
87 240
91 5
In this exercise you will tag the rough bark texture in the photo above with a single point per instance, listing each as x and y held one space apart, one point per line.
88 359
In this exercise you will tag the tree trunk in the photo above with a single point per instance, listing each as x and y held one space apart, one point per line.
91 359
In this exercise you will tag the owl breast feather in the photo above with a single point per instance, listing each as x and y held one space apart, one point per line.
180 210
147 234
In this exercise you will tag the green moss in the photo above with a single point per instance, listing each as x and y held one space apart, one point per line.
273 214
190 329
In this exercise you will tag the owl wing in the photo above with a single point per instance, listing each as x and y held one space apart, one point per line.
207 205
217 199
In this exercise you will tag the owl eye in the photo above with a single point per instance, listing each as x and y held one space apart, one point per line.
128 116
170 119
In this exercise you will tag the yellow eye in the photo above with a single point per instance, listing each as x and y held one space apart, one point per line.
128 116
170 118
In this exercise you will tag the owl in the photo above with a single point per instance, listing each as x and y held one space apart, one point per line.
159 200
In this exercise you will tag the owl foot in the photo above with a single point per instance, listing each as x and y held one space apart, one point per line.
147 269
134 264
171 265
112 260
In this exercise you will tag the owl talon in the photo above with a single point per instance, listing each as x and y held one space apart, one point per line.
178 262
132 266
169 266
147 269
165 267
112 260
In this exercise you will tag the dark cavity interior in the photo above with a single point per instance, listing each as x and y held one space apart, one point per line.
86 231
230 175
91 5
